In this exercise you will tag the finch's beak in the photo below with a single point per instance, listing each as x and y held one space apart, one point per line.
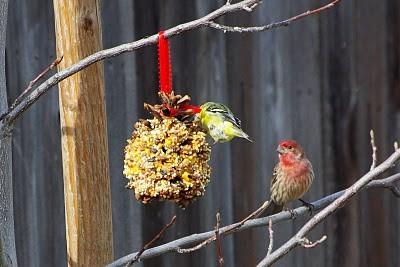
280 150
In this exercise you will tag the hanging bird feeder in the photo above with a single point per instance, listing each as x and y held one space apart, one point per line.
167 156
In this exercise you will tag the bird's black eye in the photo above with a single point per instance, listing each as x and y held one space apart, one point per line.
290 147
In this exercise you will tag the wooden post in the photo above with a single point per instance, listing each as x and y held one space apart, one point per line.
84 136
8 256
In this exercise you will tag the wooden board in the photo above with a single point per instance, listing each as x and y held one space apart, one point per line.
84 136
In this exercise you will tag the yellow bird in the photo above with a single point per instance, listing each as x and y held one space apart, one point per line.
220 123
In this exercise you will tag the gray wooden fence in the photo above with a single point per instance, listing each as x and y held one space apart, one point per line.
324 81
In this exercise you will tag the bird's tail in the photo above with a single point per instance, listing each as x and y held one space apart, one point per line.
240 133
273 208
269 207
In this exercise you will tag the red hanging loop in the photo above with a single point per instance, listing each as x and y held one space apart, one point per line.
193 108
164 64
165 78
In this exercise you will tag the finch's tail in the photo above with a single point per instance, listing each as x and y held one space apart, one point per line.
244 135
269 208
273 208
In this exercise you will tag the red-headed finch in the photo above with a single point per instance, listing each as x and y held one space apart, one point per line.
292 176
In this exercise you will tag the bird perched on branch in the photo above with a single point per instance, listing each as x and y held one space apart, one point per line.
292 177
220 122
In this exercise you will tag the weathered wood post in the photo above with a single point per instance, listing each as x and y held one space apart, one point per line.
8 255
84 136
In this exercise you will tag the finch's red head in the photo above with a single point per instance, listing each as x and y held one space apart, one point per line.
290 147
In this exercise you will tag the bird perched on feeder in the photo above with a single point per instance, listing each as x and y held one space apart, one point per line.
220 122
292 177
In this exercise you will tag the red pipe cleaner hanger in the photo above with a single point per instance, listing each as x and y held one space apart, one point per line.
164 64
165 75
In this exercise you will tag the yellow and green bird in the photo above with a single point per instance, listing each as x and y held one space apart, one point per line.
220 122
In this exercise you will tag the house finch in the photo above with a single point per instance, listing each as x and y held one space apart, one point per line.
292 176
220 122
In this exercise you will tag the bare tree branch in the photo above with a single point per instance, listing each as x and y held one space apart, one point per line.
286 22
374 149
151 242
247 5
175 246
220 258
297 239
271 237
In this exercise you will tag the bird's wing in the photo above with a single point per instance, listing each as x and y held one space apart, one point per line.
238 122
312 175
226 113
275 174
231 118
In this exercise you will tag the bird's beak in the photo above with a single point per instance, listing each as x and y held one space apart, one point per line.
280 150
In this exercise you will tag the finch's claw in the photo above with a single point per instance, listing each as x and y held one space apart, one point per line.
293 214
310 206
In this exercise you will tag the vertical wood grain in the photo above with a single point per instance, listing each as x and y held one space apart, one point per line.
336 102
273 121
393 69
288 105
304 99
373 94
84 136
122 113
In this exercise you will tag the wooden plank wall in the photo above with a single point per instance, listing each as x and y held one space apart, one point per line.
37 166
8 256
324 81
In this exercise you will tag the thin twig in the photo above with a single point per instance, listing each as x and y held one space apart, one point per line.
271 237
218 241
396 145
305 243
330 209
155 238
175 245
286 22
374 149
31 84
